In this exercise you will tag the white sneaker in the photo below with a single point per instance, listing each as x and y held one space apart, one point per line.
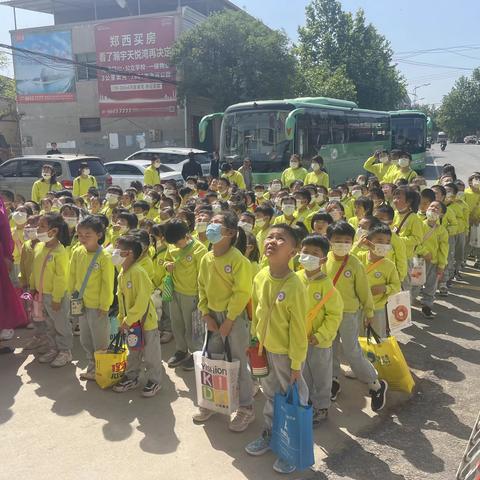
242 418
7 334
202 415
48 356
63 357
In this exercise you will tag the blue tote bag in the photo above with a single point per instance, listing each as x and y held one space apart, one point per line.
292 432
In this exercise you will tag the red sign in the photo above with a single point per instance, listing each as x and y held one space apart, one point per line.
136 46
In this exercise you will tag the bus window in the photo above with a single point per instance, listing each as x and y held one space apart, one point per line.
337 126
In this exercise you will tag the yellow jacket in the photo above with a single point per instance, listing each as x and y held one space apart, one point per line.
56 271
450 220
185 273
326 323
435 243
321 178
279 312
236 178
224 283
159 271
151 176
81 185
394 173
348 206
411 232
99 290
472 199
378 169
134 298
289 175
146 263
352 284
18 240
261 236
41 188
384 273
398 255
465 226
26 263
458 212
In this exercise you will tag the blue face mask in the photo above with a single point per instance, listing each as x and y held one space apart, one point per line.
214 233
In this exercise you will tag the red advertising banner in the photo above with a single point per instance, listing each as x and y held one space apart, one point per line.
136 46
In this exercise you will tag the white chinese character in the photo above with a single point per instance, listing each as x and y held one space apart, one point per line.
102 58
138 38
116 56
126 40
114 41
130 55
151 38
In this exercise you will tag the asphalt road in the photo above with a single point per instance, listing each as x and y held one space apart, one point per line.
54 426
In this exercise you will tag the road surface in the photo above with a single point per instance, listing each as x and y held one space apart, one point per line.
54 426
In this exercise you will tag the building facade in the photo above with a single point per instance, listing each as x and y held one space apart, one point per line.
130 102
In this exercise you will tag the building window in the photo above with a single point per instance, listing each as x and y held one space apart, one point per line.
84 72
91 124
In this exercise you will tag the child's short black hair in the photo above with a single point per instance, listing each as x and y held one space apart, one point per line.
322 216
142 204
428 193
378 192
318 241
301 230
373 221
142 236
130 218
290 231
340 228
453 187
8 195
175 231
366 203
95 224
379 228
266 210
412 197
130 242
115 189
386 210
305 193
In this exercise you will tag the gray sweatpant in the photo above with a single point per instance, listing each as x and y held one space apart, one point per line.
277 381
450 270
151 356
379 323
460 250
94 334
348 334
317 372
428 291
181 311
59 329
407 281
238 339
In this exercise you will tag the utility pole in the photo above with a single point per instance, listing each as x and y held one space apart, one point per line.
415 91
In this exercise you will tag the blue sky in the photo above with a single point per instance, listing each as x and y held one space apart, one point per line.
410 25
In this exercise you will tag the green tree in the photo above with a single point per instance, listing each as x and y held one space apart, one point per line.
334 41
232 57
7 85
459 114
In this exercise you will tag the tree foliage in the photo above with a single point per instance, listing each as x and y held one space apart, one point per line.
459 114
232 57
345 45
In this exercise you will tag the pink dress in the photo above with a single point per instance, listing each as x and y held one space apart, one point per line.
12 313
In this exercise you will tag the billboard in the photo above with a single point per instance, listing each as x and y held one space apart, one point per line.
38 79
136 46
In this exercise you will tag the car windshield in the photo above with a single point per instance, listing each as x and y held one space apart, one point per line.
259 135
94 164
409 134
170 158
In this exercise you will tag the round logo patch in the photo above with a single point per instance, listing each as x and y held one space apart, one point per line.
348 273
129 284
228 269
188 258
317 296
378 274
281 296
96 266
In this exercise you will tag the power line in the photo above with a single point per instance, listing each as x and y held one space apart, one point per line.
434 65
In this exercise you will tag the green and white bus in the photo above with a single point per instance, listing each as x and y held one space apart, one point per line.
269 132
409 133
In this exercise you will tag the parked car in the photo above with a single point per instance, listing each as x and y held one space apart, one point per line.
470 139
18 174
124 172
174 156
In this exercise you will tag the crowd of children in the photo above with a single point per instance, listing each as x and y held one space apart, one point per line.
299 265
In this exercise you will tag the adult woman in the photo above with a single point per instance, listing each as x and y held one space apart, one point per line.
48 183
84 181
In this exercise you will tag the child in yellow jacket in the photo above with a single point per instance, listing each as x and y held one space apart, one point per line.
98 292
349 277
224 290
135 305
382 274
50 252
324 315
279 310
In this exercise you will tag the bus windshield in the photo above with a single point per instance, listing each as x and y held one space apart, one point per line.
258 135
409 134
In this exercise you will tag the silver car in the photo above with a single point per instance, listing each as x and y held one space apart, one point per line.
19 174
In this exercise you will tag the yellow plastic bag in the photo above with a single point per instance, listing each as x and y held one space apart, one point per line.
387 358
110 364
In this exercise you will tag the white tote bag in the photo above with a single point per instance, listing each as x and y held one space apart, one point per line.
418 272
399 311
217 380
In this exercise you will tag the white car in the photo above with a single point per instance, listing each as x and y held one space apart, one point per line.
124 172
174 157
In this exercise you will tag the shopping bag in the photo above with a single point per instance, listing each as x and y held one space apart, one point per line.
258 361
399 311
135 337
292 430
475 236
110 364
38 312
167 288
157 303
418 272
198 329
387 358
217 380
114 326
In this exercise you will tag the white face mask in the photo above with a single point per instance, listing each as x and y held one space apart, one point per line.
384 159
294 164
86 171
309 262
43 237
336 215
71 221
117 259
432 215
275 187
403 162
201 227
260 222
111 198
356 193
381 249
216 208
335 199
288 210
20 218
46 176
30 233
247 227
341 249
148 199
315 167
140 216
